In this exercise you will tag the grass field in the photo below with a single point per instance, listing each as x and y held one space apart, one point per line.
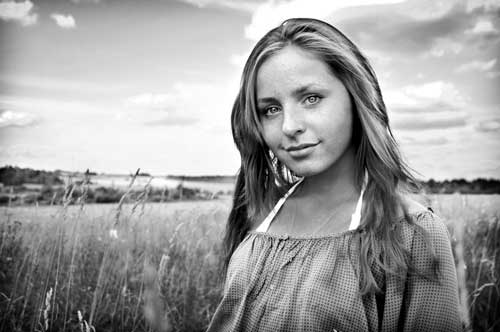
148 266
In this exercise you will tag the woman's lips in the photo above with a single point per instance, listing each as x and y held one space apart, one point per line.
300 150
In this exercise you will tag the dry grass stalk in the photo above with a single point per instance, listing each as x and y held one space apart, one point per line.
84 326
46 311
122 199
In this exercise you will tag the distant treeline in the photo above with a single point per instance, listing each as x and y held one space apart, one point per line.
204 178
462 186
16 176
75 194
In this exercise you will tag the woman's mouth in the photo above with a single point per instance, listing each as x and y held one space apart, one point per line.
300 150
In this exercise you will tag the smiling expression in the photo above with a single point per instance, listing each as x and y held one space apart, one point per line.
305 111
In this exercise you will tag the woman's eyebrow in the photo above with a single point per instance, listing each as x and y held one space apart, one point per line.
296 92
300 90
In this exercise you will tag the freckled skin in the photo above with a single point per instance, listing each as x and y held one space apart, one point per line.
322 114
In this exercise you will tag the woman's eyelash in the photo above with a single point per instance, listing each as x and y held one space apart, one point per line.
317 98
265 110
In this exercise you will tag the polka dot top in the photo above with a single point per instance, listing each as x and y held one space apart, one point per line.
280 283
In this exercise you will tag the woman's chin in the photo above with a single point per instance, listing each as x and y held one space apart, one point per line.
305 170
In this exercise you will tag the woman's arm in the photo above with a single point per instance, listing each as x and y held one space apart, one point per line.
430 304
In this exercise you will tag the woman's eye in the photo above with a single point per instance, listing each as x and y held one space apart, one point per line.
270 110
313 99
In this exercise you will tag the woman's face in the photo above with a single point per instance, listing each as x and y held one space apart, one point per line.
305 111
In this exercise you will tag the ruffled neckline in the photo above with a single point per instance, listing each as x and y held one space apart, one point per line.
349 232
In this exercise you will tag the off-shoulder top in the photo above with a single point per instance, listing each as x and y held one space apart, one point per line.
280 283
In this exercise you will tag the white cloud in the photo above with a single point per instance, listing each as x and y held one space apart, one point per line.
493 74
64 21
151 100
18 119
487 4
241 5
60 84
482 27
424 95
206 104
18 11
476 65
433 105
84 1
271 13
445 46
489 125
433 119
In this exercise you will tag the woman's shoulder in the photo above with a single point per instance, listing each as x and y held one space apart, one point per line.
425 218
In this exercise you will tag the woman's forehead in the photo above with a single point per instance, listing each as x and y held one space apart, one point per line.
290 69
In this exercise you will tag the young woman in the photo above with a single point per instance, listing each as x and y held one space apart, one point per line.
321 235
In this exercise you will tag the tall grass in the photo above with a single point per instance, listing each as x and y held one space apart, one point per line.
155 267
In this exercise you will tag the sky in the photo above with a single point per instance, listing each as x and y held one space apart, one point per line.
116 85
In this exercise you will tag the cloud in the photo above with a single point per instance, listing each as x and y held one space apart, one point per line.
173 120
151 100
18 11
184 104
482 27
60 84
271 13
487 5
16 119
431 95
241 5
493 74
167 104
403 34
489 125
476 66
438 140
421 28
430 120
85 1
445 46
432 105
64 21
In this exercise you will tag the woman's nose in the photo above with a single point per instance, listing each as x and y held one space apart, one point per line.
292 123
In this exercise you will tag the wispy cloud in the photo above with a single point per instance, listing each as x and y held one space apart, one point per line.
476 66
487 5
151 100
422 96
271 13
10 118
85 1
430 120
445 46
243 5
64 21
430 105
21 12
56 84
419 140
482 27
169 107
489 125
186 103
171 121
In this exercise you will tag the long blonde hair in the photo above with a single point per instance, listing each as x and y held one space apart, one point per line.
262 178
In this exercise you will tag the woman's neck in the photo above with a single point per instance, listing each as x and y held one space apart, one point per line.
335 184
